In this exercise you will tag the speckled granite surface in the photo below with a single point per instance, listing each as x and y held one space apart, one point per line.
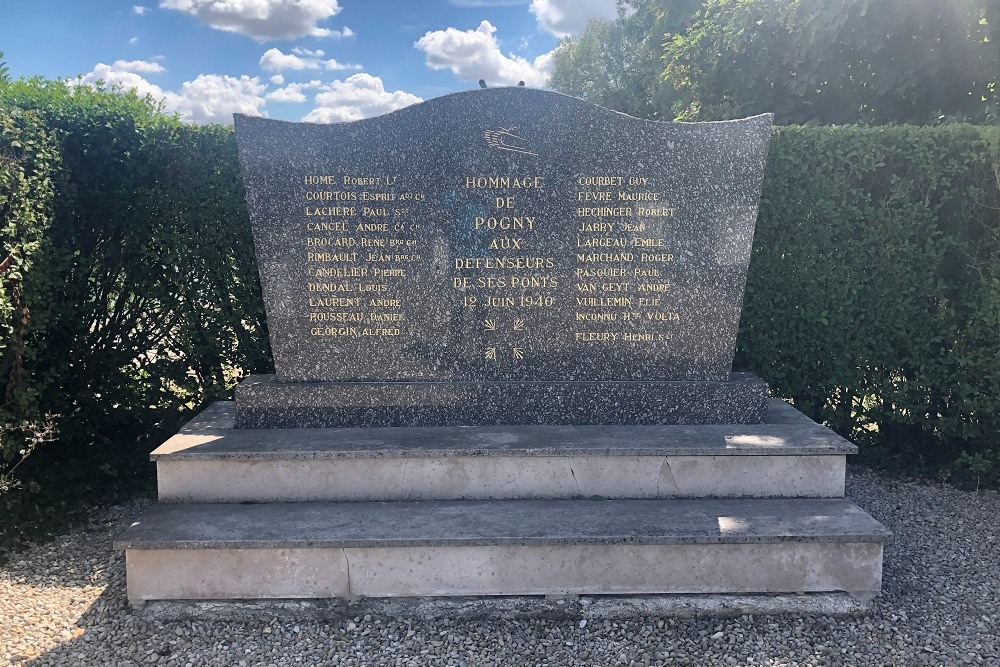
481 257
262 402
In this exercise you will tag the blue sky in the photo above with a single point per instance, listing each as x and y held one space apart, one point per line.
318 60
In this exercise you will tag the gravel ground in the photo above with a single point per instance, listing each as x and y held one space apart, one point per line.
63 603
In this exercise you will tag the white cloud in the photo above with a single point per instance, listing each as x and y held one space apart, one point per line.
475 54
139 9
277 79
133 41
112 77
306 53
356 97
274 60
569 17
209 98
264 19
141 66
292 92
214 98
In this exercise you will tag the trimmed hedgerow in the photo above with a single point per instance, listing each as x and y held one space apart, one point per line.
137 298
873 298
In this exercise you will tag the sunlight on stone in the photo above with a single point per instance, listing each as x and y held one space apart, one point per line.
183 443
733 441
729 524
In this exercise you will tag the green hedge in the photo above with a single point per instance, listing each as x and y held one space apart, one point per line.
137 298
130 294
873 298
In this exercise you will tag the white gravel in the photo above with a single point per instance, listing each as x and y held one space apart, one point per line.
63 603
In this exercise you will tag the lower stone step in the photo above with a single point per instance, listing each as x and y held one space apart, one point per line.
788 455
519 547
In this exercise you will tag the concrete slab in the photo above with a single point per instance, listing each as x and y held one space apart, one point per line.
786 432
548 569
498 477
492 523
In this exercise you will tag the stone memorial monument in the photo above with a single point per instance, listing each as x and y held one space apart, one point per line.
496 307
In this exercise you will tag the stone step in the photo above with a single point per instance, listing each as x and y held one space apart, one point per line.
486 548
787 456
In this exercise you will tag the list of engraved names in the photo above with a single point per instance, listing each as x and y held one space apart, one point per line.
622 261
600 267
358 253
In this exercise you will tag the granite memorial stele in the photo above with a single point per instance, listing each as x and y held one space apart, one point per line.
502 257
513 314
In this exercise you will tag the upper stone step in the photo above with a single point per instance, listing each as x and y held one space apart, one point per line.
521 547
787 456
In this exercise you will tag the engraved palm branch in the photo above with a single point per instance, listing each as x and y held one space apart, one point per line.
504 139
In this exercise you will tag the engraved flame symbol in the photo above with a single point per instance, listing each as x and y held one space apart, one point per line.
518 353
490 325
491 353
504 139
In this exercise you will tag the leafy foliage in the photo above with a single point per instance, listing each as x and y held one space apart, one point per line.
142 293
617 64
839 61
873 298
28 156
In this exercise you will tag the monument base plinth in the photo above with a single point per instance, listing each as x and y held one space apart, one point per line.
264 402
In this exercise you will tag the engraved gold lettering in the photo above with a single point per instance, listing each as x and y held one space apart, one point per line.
330 302
499 243
331 256
331 211
504 263
656 212
604 257
593 196
499 182
638 196
505 223
600 180
655 257
604 302
601 227
327 195
601 242
600 273
380 332
595 336
362 180
334 331
603 211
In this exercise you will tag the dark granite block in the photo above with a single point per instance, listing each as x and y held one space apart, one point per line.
263 402
504 235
